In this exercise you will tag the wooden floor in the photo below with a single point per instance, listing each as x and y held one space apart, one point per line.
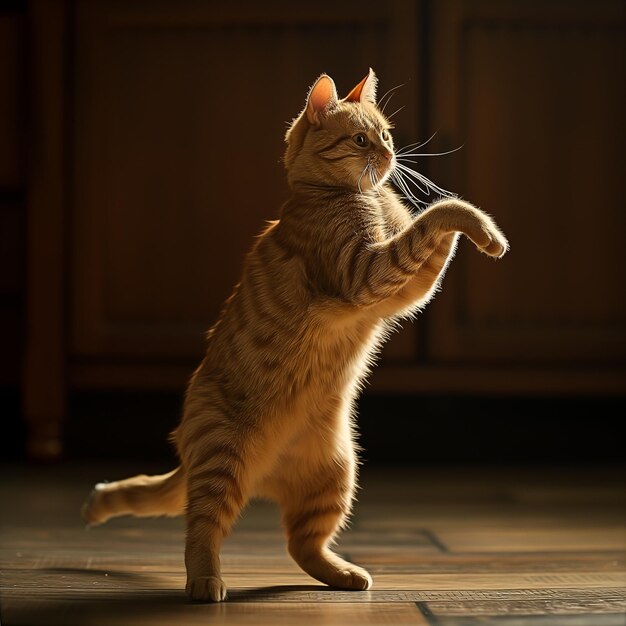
445 548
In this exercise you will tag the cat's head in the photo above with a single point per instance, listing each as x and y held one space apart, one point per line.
340 143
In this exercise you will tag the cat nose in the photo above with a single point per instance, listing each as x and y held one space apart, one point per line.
388 155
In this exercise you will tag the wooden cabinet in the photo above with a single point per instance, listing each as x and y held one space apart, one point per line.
157 158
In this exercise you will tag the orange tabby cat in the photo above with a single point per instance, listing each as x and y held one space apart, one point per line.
269 410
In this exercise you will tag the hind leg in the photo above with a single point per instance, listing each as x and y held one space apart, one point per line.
313 512
216 495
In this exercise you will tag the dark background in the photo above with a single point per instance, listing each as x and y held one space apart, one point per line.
140 147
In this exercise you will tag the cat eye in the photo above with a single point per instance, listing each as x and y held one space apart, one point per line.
361 140
385 135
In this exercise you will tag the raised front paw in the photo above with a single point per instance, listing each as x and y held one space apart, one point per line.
206 589
496 244
457 215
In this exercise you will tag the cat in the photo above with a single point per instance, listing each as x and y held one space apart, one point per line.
268 413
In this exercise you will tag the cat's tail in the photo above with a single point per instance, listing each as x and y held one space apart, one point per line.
143 496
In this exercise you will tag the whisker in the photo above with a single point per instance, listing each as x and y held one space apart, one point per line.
361 178
396 111
407 179
417 144
414 179
404 183
373 175
404 187
395 177
377 178
426 154
404 178
420 178
382 110
382 106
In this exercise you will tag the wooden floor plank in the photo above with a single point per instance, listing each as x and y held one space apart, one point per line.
553 606
613 619
138 611
605 537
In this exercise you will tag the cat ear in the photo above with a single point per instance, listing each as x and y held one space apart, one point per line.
323 96
365 91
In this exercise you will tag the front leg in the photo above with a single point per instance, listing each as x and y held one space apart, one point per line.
423 285
371 274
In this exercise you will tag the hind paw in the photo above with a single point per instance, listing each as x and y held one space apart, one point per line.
206 589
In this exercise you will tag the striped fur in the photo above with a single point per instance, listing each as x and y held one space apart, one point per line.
269 410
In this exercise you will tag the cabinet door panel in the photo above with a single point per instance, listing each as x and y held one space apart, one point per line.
538 105
179 117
